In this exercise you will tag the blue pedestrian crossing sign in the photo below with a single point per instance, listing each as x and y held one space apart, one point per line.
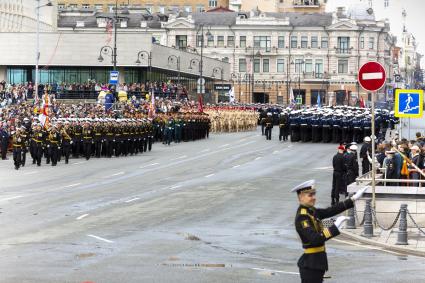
113 77
409 103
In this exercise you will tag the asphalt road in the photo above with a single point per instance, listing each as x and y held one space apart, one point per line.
217 210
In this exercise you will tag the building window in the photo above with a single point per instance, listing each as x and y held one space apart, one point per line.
225 59
210 41
73 6
220 41
266 65
280 65
299 65
242 65
188 9
257 63
263 42
343 44
85 6
61 6
111 8
199 40
304 41
308 66
281 42
200 8
325 42
342 66
318 68
98 7
212 3
371 43
231 41
242 41
181 41
162 9
314 42
294 41
362 42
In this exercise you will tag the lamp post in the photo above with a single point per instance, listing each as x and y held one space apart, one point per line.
237 76
37 53
146 55
171 59
258 54
247 79
108 50
201 62
300 63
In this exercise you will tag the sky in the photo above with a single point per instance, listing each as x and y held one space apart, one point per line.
414 21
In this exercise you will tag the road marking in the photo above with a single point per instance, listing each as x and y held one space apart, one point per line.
153 164
275 152
72 185
177 158
100 238
11 198
210 175
367 247
242 140
289 146
81 162
205 150
258 158
133 199
324 168
224 145
276 271
29 173
372 76
119 173
175 187
236 166
82 216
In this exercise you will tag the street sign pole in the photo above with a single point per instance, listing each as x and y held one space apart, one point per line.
373 151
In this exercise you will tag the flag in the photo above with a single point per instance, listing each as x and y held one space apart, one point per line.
319 104
232 95
361 104
109 28
151 113
200 105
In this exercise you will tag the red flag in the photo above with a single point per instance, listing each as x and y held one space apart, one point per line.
200 104
109 28
362 105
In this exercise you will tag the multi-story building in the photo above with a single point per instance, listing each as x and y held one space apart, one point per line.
153 6
273 6
275 55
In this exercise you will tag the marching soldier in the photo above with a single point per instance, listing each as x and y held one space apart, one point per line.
283 120
38 141
66 141
87 140
98 132
308 223
269 126
54 145
18 144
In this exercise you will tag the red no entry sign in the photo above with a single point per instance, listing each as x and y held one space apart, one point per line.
372 76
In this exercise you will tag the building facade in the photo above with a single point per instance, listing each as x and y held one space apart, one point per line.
153 6
281 57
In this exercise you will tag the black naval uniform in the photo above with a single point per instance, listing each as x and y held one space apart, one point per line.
314 262
269 126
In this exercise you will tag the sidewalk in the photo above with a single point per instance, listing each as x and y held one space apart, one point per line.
388 239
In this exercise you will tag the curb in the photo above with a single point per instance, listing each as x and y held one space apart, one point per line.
393 248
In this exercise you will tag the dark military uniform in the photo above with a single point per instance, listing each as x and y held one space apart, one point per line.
269 126
314 262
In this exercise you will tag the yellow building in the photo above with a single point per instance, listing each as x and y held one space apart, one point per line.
273 6
161 6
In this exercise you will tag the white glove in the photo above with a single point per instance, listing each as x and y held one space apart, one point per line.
359 193
340 220
71 142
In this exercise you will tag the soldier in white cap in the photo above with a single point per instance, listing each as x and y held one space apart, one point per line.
314 262
366 150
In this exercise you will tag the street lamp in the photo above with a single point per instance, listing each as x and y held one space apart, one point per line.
171 59
108 50
247 78
37 53
143 55
216 70
299 63
201 62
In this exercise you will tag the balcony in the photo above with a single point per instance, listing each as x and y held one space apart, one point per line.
306 3
314 76
343 51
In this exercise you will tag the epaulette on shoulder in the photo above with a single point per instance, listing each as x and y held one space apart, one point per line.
303 211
